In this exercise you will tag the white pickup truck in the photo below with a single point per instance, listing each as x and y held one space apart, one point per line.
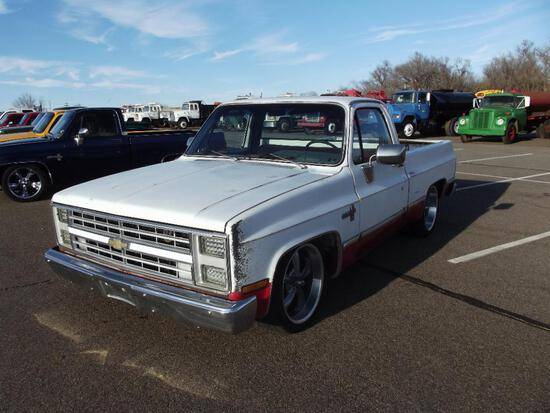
251 222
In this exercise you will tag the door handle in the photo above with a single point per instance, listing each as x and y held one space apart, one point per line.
58 157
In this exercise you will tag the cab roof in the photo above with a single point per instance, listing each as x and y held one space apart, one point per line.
342 100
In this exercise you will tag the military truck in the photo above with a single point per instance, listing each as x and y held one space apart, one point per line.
505 115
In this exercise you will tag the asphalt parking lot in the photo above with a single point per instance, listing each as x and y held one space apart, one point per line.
440 324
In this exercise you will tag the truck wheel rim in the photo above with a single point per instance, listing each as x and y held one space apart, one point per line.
303 283
408 129
24 183
455 127
430 208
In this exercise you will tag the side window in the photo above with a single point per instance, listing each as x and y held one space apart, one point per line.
99 124
422 97
369 131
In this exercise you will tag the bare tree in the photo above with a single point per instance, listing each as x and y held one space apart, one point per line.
25 101
527 68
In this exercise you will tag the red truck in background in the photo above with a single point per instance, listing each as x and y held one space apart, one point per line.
10 119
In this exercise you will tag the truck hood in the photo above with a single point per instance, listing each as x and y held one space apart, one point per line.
496 110
190 192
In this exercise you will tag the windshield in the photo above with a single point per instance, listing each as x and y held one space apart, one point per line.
489 101
299 133
43 123
62 124
185 106
37 119
403 97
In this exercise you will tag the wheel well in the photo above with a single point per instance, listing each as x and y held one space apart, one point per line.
330 246
409 118
440 185
37 164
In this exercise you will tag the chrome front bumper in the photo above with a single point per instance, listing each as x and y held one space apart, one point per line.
183 305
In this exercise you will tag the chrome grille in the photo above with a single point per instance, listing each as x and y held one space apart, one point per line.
148 233
95 232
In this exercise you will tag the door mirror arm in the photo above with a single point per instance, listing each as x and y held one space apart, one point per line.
79 138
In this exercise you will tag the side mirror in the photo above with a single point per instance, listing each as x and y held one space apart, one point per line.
391 154
527 101
79 138
428 97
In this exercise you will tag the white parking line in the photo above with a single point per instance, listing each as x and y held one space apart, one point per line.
522 178
495 157
502 177
498 248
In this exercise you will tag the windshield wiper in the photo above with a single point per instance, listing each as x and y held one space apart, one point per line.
298 164
223 155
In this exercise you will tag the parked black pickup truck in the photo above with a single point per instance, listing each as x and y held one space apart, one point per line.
84 144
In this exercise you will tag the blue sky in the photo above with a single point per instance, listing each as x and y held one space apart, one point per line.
110 52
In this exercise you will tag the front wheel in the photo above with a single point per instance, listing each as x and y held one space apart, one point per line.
465 138
25 183
426 225
511 133
451 127
183 124
408 130
297 288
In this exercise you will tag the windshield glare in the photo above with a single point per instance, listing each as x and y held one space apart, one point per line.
403 97
498 101
43 123
62 124
303 133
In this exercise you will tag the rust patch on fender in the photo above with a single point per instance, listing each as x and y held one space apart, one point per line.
241 253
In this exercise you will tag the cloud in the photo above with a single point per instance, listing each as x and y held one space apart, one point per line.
43 83
226 54
3 7
269 49
118 72
161 19
19 65
387 33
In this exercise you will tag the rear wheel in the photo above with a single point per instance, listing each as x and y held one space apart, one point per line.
510 134
451 127
297 288
543 130
428 222
25 183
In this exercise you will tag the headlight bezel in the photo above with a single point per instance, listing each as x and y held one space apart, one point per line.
500 121
462 121
61 224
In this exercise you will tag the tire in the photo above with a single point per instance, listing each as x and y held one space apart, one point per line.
543 130
465 138
451 127
295 297
182 123
511 134
426 225
408 130
25 183
284 125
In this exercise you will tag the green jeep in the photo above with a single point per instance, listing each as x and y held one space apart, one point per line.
502 114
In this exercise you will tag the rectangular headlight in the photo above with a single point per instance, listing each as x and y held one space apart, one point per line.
61 219
214 275
213 246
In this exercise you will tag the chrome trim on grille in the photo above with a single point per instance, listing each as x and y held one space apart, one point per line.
130 245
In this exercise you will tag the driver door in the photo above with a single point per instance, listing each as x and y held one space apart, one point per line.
104 150
382 191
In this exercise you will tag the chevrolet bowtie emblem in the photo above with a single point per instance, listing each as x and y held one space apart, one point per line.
117 244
